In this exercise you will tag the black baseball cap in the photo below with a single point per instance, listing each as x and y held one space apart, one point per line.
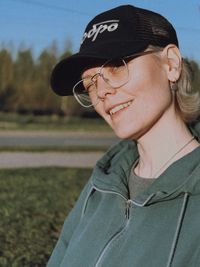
118 32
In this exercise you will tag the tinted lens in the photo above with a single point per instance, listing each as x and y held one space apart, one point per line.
84 96
115 72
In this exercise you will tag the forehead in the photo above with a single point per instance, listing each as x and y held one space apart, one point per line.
142 59
89 72
91 63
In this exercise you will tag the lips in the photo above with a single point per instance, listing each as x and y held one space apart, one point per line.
120 107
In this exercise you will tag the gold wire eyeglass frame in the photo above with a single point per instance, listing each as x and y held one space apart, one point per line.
125 61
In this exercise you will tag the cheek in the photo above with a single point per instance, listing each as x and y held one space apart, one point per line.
99 108
148 107
148 74
151 86
152 103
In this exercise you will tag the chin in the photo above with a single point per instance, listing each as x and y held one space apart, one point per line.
124 134
131 133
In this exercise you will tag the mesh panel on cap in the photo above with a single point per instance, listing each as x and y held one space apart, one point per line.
156 29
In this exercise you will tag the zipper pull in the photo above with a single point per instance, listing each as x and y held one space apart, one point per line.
127 209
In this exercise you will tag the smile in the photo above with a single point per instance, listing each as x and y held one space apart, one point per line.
120 107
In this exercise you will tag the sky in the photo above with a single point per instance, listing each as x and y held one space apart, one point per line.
38 23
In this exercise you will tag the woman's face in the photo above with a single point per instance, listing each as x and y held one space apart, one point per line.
133 109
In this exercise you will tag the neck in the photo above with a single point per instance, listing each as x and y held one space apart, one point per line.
166 142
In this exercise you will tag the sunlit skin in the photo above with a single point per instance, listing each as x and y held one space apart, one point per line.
148 89
151 118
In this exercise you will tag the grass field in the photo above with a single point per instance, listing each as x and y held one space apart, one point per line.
54 148
13 121
33 205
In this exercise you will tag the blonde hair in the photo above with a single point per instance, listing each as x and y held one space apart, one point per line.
187 99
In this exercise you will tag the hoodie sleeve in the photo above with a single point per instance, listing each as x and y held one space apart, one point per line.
69 226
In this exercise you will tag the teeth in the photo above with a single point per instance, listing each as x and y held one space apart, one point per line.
119 107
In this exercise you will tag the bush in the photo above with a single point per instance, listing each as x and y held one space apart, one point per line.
33 205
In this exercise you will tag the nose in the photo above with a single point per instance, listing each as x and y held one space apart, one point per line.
103 88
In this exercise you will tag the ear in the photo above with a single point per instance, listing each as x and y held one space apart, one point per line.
173 61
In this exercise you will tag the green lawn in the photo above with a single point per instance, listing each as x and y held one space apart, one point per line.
33 205
54 148
13 121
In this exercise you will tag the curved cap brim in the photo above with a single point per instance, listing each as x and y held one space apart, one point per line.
68 72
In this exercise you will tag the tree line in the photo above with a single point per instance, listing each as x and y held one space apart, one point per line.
24 82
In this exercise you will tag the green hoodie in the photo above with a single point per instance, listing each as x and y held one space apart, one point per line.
159 228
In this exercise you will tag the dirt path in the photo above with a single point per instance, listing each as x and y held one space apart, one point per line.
35 159
55 139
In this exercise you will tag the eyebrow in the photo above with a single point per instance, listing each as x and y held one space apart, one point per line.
93 66
86 77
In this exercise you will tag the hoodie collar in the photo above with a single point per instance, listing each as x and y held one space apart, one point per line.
113 169
179 178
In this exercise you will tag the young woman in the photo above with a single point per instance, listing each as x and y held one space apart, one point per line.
140 207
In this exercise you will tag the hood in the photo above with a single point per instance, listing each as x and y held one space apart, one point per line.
183 176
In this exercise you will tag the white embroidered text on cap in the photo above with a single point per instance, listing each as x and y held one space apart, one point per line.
109 25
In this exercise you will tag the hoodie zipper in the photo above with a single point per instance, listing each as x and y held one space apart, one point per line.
128 204
115 236
178 229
